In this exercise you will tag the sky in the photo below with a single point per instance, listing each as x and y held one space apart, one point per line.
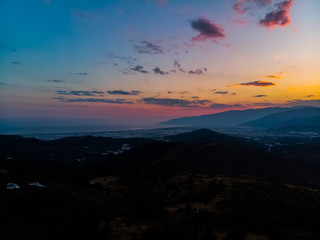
145 61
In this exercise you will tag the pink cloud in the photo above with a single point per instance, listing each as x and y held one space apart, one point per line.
279 17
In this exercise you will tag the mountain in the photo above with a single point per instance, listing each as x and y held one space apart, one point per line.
225 119
204 136
307 116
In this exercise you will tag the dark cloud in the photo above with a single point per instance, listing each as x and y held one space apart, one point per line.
80 73
272 76
177 65
259 96
147 47
128 60
55 81
139 69
278 17
206 29
174 102
223 106
16 62
95 100
198 71
157 70
2 83
310 96
257 84
121 92
80 93
221 92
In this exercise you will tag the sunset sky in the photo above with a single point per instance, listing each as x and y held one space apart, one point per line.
147 60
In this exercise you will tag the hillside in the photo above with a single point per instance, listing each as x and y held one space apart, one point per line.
308 117
225 119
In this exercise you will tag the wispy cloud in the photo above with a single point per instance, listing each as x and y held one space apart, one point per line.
146 47
225 106
207 30
16 62
81 14
80 93
174 102
260 95
221 92
242 6
125 59
80 73
95 100
256 84
47 1
139 68
2 83
55 81
121 92
177 65
272 76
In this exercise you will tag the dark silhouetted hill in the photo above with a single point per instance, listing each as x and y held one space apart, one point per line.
225 119
306 117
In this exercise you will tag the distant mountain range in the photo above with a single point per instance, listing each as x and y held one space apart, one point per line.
294 118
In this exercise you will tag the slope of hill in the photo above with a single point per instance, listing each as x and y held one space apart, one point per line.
225 119
307 116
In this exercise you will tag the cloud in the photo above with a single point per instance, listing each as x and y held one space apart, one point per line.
221 92
242 6
310 96
55 81
256 84
157 70
147 47
95 100
174 102
271 76
206 29
177 65
223 106
139 68
301 102
47 1
2 83
278 17
81 14
239 22
80 73
80 93
259 96
198 71
128 60
121 92
16 62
